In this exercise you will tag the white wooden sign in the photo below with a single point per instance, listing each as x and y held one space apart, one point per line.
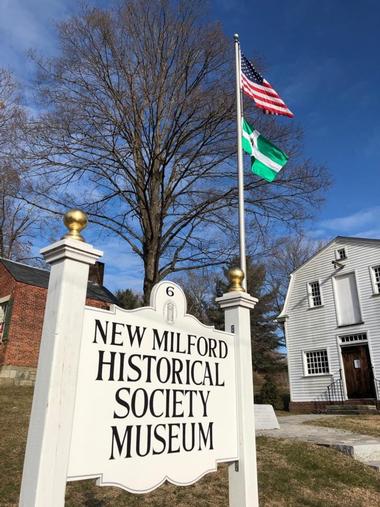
156 396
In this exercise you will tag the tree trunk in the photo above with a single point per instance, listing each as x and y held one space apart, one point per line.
151 268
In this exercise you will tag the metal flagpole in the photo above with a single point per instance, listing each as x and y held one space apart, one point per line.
240 162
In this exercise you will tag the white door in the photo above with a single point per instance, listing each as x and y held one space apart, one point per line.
347 300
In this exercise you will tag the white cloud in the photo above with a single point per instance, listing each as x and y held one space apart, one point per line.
355 221
29 24
123 268
363 223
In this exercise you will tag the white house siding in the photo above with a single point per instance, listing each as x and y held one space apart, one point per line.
316 328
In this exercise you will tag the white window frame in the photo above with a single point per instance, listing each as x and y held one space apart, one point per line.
341 346
337 255
354 342
4 300
334 281
310 296
375 288
304 358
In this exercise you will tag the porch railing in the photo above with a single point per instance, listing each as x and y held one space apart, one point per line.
334 394
376 381
335 391
377 389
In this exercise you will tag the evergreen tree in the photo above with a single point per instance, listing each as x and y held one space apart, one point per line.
269 392
129 299
264 330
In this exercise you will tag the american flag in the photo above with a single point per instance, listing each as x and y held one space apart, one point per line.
255 86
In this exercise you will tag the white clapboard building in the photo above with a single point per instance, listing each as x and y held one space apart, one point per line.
332 325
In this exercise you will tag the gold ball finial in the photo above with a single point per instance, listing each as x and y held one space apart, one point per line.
75 220
236 277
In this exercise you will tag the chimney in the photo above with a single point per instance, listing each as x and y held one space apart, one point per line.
96 273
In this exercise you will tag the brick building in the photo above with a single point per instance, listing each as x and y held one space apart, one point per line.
23 291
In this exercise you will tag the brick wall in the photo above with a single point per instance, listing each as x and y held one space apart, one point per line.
7 284
25 325
22 346
97 304
305 407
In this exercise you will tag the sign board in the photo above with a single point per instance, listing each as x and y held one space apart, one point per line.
156 396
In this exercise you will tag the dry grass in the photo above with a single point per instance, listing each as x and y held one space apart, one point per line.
290 474
211 491
364 424
15 406
283 413
298 474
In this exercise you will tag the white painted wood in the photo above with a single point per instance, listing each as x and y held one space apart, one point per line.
48 445
265 418
243 490
347 299
316 328
160 376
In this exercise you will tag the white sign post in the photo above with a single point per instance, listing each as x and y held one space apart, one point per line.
135 398
156 396
48 445
237 305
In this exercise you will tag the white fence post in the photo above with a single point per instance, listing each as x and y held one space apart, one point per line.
237 304
48 445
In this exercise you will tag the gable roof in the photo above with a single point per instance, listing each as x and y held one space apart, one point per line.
343 239
352 239
37 277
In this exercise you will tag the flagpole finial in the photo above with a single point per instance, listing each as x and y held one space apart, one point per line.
236 277
236 37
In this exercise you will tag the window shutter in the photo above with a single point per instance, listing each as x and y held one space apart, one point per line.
347 300
7 322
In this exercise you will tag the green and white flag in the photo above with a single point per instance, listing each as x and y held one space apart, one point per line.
267 159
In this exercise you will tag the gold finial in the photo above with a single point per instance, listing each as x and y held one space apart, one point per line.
236 277
75 220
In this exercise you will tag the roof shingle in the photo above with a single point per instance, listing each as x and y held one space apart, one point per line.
40 278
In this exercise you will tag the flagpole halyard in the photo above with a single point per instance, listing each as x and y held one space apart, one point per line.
240 162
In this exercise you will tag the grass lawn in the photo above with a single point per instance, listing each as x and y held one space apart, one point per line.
365 424
290 473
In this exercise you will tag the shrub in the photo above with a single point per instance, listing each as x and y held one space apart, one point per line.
269 393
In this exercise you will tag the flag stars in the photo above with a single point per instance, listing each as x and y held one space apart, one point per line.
257 88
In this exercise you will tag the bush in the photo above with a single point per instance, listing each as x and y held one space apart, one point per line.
285 398
269 393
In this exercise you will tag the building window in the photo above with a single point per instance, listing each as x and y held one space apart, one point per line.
340 254
317 362
349 338
376 279
3 314
315 298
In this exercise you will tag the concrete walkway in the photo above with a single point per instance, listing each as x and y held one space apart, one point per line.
364 448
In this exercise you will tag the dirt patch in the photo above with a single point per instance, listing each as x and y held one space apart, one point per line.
363 424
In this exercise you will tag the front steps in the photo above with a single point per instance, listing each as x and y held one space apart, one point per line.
351 409
374 464
363 448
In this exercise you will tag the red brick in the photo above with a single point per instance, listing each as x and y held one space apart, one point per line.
23 343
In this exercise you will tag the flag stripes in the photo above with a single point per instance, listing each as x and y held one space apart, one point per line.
266 159
257 88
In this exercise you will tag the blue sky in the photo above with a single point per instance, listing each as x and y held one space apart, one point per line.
321 55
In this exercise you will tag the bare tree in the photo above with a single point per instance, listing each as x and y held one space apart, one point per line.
288 254
139 131
199 288
17 219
